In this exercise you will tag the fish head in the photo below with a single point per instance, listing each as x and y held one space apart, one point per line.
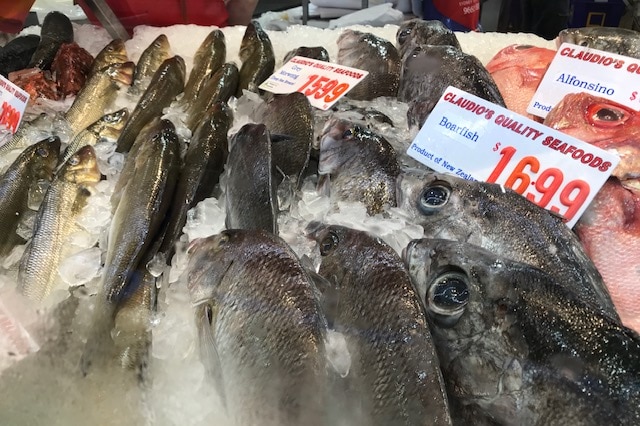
111 124
81 167
416 32
46 154
523 56
339 145
120 72
368 52
469 297
114 52
161 44
603 123
253 38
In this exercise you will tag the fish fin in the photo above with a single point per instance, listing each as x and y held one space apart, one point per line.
208 352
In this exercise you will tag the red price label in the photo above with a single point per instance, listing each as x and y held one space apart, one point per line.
9 117
540 185
322 87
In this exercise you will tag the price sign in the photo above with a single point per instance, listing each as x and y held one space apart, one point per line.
323 83
13 102
477 140
582 69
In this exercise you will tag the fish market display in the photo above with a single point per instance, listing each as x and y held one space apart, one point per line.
615 40
518 347
371 53
393 348
256 306
517 71
235 257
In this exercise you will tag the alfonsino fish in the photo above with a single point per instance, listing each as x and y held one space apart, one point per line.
368 278
261 331
518 347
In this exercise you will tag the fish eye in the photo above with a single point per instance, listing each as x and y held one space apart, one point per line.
329 243
74 161
402 36
42 152
223 239
607 115
434 197
448 297
209 313
347 134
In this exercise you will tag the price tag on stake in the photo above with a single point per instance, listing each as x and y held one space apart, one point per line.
577 69
13 102
323 83
478 140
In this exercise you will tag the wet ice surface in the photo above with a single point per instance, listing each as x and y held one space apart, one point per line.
40 345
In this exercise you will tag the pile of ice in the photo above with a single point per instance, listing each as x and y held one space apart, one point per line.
45 387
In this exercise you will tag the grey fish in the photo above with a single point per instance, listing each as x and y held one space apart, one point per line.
63 202
137 219
358 165
203 164
417 32
113 53
16 54
428 70
218 88
615 40
379 56
108 126
35 163
260 327
56 30
395 376
150 60
505 223
319 53
208 59
256 54
251 199
290 115
519 345
166 84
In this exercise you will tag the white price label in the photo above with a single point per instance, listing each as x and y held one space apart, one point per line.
477 140
323 83
13 102
582 69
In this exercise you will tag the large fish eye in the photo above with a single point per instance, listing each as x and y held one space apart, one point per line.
607 115
434 197
42 152
329 243
448 297
403 35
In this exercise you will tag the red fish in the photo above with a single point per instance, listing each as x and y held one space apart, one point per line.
517 71
604 123
610 228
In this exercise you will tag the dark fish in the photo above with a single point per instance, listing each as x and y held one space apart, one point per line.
256 54
143 203
418 32
166 84
150 60
113 53
260 328
610 39
218 88
35 163
290 116
358 165
374 54
63 202
521 347
319 53
16 54
203 164
504 222
251 199
208 59
56 29
395 376
428 70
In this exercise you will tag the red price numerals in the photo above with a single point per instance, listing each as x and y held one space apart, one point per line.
572 195
9 117
321 86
